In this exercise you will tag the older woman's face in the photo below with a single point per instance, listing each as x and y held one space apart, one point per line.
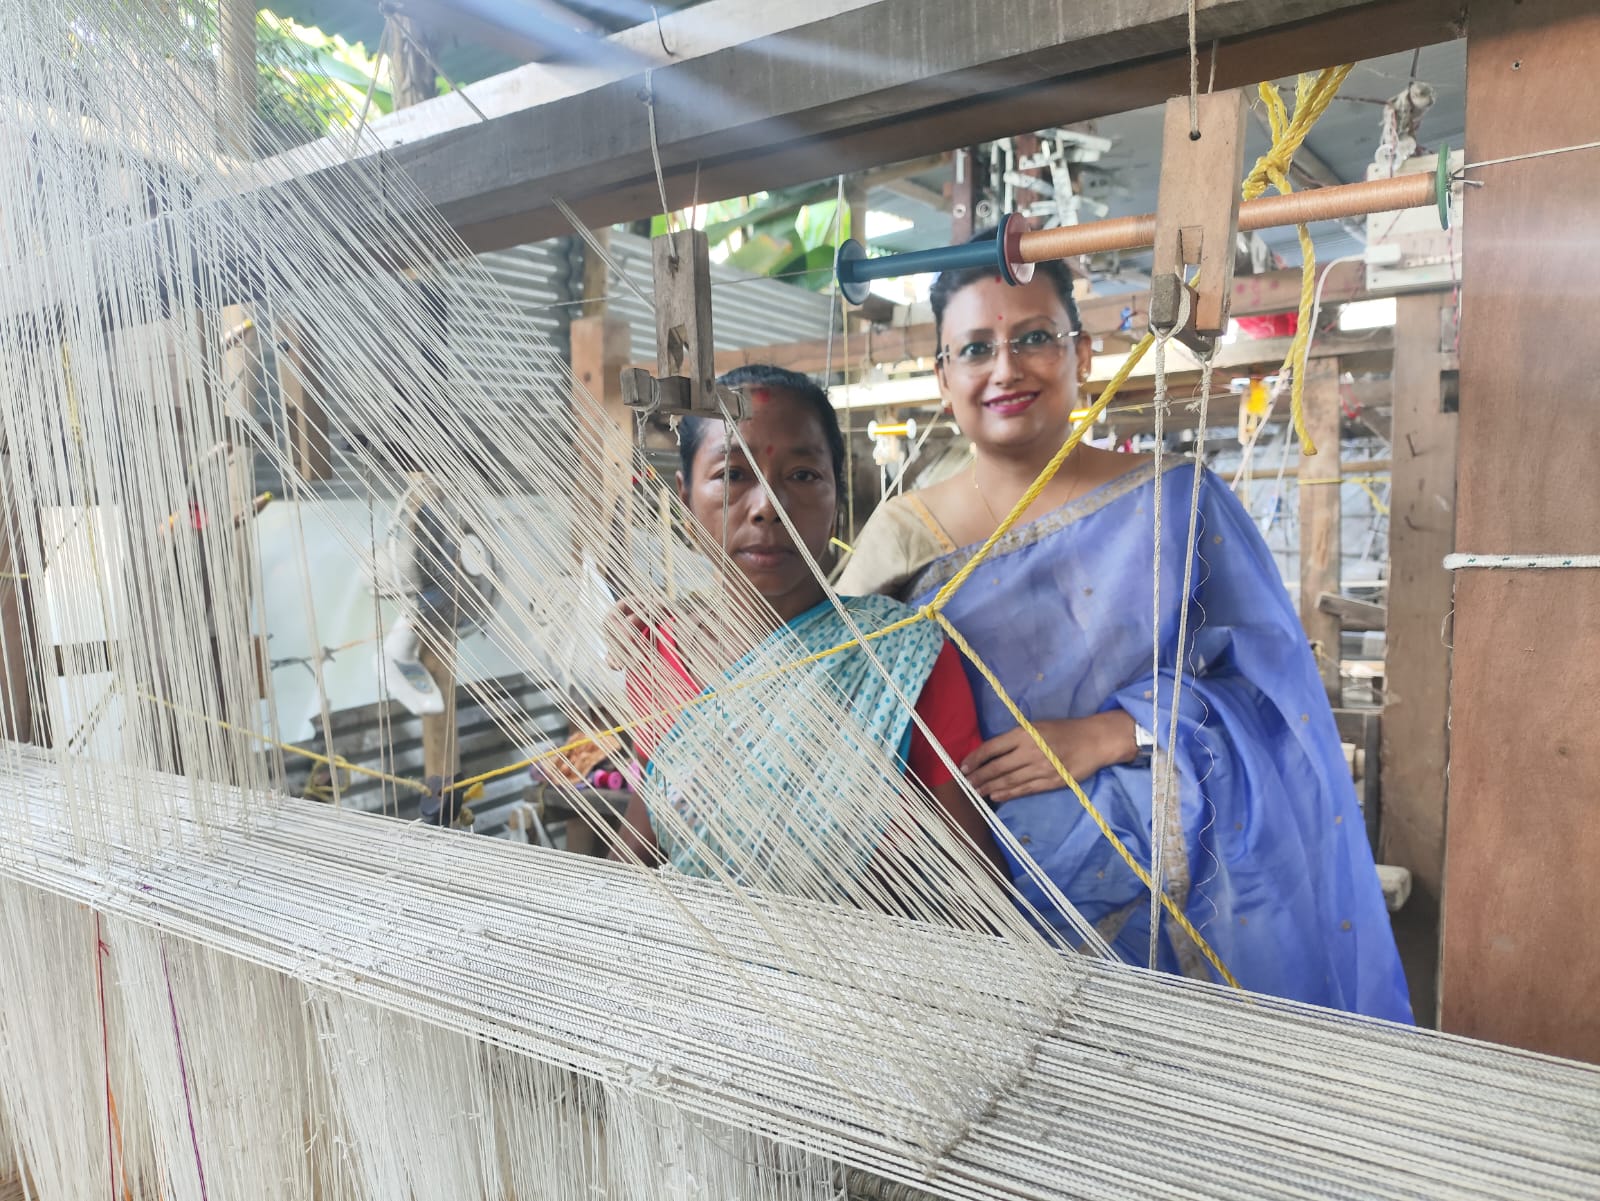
791 449
1011 365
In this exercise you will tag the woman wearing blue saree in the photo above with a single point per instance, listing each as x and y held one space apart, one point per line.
1265 852
795 438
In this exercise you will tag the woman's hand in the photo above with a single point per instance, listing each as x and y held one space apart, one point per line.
1011 765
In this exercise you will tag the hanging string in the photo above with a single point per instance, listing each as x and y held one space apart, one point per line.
655 148
1312 97
1522 158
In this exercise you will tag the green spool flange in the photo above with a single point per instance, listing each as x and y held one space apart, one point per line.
1441 186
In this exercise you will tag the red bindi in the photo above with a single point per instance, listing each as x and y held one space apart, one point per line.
760 396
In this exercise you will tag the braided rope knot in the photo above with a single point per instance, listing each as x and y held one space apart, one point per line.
1312 95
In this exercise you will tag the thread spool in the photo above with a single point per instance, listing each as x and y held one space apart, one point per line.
1016 247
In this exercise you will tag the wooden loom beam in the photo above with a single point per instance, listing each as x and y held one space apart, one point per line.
1320 540
886 346
738 118
1520 962
1415 746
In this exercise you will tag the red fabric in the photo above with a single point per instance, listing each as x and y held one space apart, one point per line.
947 706
669 689
1276 325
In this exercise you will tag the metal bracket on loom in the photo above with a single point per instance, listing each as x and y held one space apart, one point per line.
1197 219
685 384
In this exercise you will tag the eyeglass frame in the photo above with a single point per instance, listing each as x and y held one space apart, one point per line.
1060 339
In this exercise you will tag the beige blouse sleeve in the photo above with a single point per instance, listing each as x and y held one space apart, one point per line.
899 540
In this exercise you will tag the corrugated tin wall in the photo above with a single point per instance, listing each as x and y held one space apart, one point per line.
747 310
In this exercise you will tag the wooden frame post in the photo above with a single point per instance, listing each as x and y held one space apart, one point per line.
1521 964
965 192
24 717
1416 686
601 350
1321 543
305 420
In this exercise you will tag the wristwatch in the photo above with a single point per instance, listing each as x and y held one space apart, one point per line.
1144 743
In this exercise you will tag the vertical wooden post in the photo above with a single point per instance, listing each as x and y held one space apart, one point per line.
412 79
1416 675
855 199
601 348
1521 964
596 275
21 719
1320 540
310 451
409 70
965 193
440 752
236 76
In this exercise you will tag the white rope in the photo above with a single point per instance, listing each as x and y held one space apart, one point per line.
655 148
1522 158
1161 777
1461 562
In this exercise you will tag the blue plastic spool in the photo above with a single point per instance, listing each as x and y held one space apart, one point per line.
855 271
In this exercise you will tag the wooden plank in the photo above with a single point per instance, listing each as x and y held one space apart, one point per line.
1353 614
236 75
964 195
1197 213
412 77
601 348
1416 716
20 719
888 345
1521 964
596 275
1292 471
1319 521
684 345
781 118
1183 368
306 421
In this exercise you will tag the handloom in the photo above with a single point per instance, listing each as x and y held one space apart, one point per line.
212 989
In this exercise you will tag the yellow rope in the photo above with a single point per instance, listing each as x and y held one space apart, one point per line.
1372 494
1312 95
1025 501
1364 482
931 612
1100 822
335 762
675 710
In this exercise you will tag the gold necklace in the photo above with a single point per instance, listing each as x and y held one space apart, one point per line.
994 517
982 497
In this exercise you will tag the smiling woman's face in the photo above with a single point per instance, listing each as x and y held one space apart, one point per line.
1010 365
791 449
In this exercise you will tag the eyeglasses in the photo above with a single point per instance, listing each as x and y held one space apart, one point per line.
1036 345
